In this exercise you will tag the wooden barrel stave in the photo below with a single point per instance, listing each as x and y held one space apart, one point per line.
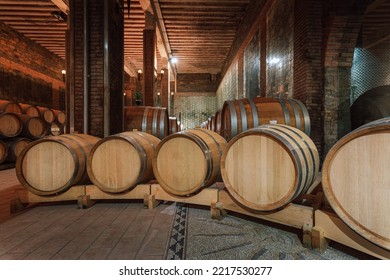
52 165
188 161
267 167
119 162
356 183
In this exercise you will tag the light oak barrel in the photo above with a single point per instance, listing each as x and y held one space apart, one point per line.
356 180
3 151
173 125
30 110
243 114
59 116
10 107
119 162
15 147
47 114
33 127
187 161
152 120
267 167
52 165
10 124
55 128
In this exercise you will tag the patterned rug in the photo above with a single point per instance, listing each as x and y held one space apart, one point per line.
195 236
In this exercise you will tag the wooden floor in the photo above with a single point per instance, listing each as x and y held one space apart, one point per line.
120 230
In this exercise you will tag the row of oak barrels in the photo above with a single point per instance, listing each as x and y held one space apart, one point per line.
235 117
18 119
263 168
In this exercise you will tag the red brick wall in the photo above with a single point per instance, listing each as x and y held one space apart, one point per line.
29 73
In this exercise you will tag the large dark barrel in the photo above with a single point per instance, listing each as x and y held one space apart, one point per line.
187 161
52 165
10 107
119 162
10 124
267 167
152 120
3 151
30 110
356 181
15 147
243 114
370 106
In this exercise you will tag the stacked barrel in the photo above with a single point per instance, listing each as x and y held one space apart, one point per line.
22 123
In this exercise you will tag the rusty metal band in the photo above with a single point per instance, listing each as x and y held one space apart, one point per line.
233 119
207 153
285 112
306 117
244 122
145 119
255 115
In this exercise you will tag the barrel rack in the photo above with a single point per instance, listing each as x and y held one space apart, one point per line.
318 226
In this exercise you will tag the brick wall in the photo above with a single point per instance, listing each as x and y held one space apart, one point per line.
97 85
280 49
29 73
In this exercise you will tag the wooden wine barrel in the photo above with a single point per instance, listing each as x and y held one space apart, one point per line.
187 161
55 129
119 162
15 147
243 114
10 107
374 104
60 116
151 120
52 165
10 124
30 110
33 127
267 167
211 123
173 125
356 181
47 114
3 151
218 121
